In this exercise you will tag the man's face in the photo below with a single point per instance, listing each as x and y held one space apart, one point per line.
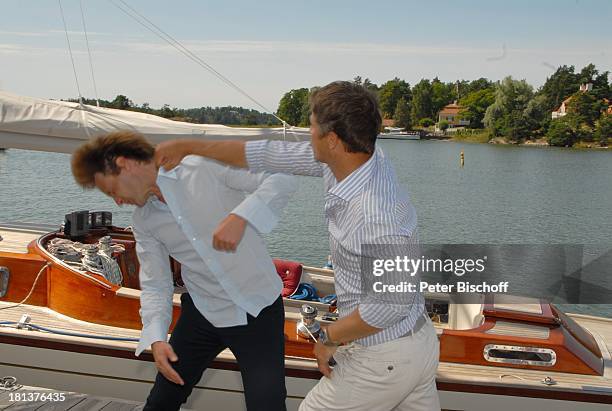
318 140
127 187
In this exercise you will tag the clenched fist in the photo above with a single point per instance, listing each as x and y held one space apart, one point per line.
228 234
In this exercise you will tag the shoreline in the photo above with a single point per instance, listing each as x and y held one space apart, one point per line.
483 138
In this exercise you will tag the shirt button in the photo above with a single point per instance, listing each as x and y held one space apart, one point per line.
194 238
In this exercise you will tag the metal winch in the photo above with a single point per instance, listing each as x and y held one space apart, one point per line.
308 327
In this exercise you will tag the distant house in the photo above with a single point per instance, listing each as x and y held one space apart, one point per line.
388 122
562 110
450 114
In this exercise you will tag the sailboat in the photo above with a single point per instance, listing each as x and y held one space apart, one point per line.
69 316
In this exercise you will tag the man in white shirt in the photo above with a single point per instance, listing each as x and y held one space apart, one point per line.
199 214
391 352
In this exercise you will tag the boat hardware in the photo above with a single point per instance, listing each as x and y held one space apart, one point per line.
549 381
308 326
4 278
23 322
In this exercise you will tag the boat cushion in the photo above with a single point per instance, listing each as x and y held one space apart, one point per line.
290 272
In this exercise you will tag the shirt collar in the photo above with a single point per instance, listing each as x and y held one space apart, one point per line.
352 184
162 172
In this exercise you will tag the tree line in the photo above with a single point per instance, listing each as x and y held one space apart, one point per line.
509 108
228 115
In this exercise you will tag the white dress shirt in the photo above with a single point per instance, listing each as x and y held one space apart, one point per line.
199 194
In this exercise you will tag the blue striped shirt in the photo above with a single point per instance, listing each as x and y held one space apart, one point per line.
367 207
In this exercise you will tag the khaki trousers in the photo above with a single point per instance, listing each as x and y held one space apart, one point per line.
397 375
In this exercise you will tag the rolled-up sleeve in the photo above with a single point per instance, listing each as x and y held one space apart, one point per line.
156 289
283 157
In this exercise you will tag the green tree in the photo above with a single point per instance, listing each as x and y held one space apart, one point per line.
480 84
505 116
536 116
603 129
443 125
586 106
167 112
367 83
563 83
390 93
291 106
474 106
426 122
421 106
122 102
402 116
561 133
441 95
145 108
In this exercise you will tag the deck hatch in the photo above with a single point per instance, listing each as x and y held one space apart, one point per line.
517 355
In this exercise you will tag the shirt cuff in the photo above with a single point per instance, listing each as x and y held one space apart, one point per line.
152 333
254 152
257 213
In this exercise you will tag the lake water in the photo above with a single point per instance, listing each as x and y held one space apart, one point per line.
503 195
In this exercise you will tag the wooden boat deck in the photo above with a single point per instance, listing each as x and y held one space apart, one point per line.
601 328
16 239
72 401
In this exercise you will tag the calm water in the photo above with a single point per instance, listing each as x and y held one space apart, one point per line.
503 195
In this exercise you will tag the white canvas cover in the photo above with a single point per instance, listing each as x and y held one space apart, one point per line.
58 126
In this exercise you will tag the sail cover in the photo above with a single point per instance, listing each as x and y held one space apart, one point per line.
59 126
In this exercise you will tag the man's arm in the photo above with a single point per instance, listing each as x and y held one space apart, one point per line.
169 154
156 295
262 208
376 311
261 155
156 288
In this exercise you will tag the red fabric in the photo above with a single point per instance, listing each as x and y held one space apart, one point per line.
290 272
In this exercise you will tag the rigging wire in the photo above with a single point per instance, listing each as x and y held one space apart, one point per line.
76 79
93 78
149 25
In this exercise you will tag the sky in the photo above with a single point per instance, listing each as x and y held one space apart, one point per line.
269 47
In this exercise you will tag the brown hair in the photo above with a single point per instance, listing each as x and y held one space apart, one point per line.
99 155
349 110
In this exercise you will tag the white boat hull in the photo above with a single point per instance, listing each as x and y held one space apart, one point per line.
218 390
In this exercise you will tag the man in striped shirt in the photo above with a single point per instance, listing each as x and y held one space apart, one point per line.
390 350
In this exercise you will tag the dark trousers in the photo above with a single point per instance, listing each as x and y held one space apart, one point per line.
259 348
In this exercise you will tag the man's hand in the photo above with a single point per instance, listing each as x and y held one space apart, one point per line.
228 234
163 354
168 154
324 354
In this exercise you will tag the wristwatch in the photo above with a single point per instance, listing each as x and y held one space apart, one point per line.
324 339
